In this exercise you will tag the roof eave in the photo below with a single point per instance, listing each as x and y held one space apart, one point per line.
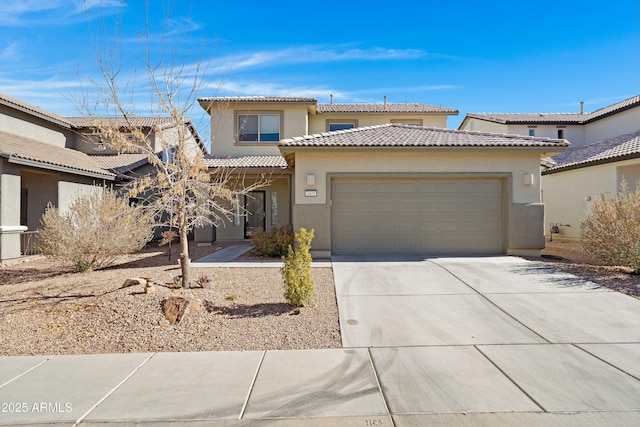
582 165
58 168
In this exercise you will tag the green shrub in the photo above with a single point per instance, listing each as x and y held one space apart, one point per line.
96 229
296 270
272 243
611 231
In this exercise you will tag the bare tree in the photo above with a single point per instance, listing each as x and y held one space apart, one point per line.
180 190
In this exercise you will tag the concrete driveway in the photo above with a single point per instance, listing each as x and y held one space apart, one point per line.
492 335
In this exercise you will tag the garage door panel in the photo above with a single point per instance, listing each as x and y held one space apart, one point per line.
426 216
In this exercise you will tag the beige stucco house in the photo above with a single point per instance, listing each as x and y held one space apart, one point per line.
379 178
46 158
605 149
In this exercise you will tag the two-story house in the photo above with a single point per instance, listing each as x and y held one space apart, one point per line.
49 159
605 149
378 178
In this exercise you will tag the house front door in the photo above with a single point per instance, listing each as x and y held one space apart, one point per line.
255 212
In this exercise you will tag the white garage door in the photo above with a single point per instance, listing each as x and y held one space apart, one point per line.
416 216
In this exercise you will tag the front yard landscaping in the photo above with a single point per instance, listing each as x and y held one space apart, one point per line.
44 309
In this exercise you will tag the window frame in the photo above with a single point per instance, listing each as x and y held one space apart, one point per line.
408 122
258 113
330 122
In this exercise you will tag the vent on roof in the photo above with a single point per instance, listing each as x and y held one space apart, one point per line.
99 147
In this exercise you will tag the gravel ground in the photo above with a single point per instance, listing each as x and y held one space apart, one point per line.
569 256
47 310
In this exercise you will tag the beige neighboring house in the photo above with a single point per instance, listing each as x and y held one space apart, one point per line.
379 178
46 158
605 149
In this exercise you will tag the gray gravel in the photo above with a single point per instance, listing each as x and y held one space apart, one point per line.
43 311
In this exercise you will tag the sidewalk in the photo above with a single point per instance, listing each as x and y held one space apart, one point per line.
332 387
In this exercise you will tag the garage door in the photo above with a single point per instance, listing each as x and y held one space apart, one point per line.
416 216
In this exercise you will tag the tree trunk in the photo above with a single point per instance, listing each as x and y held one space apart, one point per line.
185 262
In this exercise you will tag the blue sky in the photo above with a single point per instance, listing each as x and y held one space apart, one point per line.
500 56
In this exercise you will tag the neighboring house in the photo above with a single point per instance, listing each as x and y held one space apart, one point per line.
379 178
573 181
46 158
604 150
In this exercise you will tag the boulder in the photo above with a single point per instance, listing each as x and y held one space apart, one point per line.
177 308
132 281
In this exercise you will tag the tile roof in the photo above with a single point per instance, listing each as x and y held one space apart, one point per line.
20 150
383 108
558 118
618 148
246 162
33 110
120 163
160 122
138 121
249 99
398 135
524 118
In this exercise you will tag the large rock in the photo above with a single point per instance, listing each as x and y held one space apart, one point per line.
177 308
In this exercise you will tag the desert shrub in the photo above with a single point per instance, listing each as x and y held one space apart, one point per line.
272 243
296 270
96 229
611 231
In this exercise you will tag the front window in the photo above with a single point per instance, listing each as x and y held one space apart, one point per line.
259 127
532 132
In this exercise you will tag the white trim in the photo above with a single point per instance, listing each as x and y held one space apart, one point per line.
7 229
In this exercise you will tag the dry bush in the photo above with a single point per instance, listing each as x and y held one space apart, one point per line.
97 228
272 243
611 232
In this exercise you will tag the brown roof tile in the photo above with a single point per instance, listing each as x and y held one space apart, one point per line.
121 163
250 99
557 118
398 135
621 147
22 150
148 122
247 162
36 111
383 108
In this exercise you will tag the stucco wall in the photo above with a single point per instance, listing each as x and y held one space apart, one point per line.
27 126
569 195
476 125
318 122
9 212
42 189
566 196
574 134
315 212
70 188
618 124
223 129
320 164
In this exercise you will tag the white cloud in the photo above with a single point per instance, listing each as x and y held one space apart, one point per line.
320 54
10 51
20 13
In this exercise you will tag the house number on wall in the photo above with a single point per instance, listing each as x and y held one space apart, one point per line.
310 193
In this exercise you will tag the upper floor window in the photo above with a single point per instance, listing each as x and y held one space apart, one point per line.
258 127
560 133
333 125
532 132
408 122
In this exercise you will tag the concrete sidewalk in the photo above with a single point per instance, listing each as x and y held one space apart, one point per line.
445 342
